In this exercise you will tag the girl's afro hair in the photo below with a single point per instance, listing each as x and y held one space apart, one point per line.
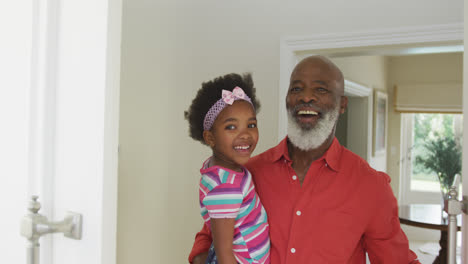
209 93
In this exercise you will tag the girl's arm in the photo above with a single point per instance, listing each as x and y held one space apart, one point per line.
222 230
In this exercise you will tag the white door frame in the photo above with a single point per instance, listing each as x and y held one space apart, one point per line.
358 90
290 46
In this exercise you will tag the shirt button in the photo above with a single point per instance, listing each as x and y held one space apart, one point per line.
293 250
294 177
298 212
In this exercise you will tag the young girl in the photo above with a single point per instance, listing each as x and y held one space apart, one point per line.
223 116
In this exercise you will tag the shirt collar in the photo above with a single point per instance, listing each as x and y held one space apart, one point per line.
331 157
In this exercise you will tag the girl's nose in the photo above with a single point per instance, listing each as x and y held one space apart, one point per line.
245 134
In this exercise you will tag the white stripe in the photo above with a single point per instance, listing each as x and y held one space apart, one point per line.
248 184
262 218
233 177
224 196
240 250
210 181
251 188
202 190
260 251
220 216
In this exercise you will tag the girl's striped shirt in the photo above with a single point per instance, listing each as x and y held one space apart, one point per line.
229 194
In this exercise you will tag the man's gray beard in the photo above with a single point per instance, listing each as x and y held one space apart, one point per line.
312 138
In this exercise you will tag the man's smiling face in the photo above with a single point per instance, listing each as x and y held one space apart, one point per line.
315 99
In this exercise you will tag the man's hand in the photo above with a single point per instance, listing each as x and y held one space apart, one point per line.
200 258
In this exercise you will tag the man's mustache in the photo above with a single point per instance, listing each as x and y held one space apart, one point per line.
299 106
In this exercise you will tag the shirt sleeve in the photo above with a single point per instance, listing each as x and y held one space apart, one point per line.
384 239
223 201
202 243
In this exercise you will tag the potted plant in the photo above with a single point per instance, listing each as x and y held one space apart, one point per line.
442 156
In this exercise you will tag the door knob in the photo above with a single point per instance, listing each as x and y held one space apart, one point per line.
35 225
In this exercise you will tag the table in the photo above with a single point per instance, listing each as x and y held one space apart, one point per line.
428 216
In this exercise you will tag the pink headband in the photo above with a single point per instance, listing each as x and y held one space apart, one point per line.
228 98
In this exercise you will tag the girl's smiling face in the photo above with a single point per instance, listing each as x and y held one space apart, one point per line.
233 136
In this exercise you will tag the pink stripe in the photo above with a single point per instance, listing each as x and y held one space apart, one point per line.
222 206
265 259
259 230
206 190
238 247
229 178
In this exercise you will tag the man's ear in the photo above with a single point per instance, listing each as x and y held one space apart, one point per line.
209 138
343 104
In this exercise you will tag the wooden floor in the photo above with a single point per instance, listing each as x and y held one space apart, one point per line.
425 250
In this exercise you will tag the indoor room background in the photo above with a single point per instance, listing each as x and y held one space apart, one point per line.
170 47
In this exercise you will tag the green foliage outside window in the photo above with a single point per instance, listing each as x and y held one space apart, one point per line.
437 150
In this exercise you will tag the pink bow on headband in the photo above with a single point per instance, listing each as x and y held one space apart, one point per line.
229 97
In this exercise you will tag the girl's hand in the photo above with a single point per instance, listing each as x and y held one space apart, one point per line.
200 258
222 230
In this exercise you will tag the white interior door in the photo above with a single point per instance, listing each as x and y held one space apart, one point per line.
15 39
62 104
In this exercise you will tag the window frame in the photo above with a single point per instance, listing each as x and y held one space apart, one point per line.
408 196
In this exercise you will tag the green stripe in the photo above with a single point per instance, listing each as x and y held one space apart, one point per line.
207 184
250 229
263 254
223 176
227 201
248 210
204 212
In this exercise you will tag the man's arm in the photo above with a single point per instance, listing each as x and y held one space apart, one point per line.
384 239
201 246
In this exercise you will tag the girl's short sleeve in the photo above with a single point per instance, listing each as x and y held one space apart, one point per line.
223 201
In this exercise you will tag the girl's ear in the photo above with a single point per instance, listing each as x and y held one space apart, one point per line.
209 138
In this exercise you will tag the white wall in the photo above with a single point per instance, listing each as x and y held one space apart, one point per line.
168 49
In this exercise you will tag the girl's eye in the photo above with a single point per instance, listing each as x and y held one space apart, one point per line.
230 127
253 125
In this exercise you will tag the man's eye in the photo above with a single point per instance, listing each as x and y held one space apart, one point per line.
230 127
295 89
322 90
253 125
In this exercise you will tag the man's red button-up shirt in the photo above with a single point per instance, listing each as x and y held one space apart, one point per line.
343 209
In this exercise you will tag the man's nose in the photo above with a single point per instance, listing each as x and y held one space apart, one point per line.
308 96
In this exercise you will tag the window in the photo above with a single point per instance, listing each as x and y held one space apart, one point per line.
418 184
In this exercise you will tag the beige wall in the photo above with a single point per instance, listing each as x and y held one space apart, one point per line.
370 71
168 49
415 69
